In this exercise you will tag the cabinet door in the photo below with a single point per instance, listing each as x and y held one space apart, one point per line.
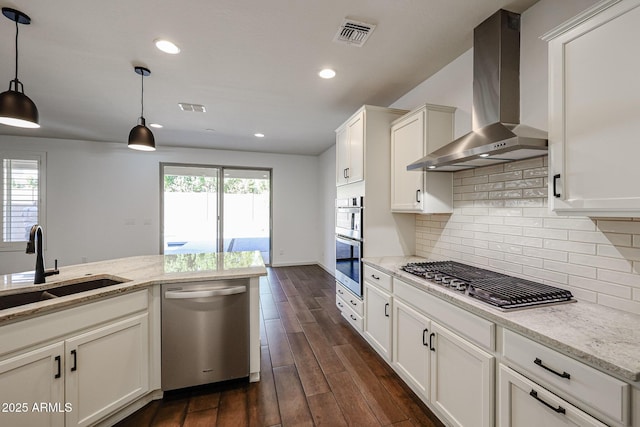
462 379
29 379
522 403
377 319
407 146
593 128
356 148
342 156
106 369
411 347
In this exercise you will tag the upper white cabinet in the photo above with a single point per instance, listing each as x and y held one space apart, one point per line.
350 150
594 88
413 136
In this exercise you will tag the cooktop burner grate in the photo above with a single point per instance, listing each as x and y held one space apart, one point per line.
500 290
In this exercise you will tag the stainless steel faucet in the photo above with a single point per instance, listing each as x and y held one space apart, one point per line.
34 245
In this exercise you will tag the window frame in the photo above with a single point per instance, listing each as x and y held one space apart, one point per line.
41 158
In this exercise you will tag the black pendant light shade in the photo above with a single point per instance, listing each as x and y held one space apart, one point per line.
141 138
16 108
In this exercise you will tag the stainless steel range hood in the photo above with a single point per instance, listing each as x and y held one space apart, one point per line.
499 137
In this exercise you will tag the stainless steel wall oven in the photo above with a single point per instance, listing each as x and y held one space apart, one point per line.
349 243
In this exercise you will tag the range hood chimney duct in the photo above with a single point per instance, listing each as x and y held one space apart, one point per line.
498 136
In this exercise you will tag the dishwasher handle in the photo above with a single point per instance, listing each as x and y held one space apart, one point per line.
204 293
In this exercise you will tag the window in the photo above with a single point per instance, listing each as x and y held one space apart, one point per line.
22 186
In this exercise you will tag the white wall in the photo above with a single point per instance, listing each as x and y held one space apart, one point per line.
327 193
103 200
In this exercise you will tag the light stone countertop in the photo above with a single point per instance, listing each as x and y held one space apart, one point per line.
136 272
602 337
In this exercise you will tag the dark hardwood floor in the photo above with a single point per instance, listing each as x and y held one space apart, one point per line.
315 370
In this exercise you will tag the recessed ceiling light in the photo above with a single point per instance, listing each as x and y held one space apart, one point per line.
484 155
259 135
431 167
327 73
155 125
167 47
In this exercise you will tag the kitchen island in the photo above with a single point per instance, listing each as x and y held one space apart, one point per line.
103 344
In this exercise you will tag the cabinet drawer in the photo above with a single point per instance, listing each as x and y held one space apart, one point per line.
378 278
598 390
349 299
474 328
354 318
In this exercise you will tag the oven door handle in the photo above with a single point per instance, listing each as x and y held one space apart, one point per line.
205 293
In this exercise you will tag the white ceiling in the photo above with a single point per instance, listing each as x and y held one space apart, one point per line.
252 63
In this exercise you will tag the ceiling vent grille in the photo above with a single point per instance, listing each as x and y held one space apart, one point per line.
353 33
196 108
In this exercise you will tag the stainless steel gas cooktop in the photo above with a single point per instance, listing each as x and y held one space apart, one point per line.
500 290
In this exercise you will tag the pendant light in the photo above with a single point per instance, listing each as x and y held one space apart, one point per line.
141 137
16 108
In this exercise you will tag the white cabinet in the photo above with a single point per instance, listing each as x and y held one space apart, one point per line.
377 319
411 355
350 306
593 105
413 136
462 379
83 363
350 150
29 379
523 403
453 375
106 368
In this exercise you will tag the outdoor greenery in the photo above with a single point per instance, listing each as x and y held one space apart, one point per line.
202 184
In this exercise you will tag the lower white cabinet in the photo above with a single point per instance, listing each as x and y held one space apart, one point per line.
455 376
411 355
106 368
78 381
29 379
523 403
377 319
462 379
75 367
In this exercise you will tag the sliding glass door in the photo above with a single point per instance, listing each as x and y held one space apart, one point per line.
214 208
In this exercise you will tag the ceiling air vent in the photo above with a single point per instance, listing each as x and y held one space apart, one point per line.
353 33
197 108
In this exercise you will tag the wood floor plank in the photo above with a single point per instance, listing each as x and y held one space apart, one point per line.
315 287
294 409
325 410
288 317
289 289
311 376
233 410
262 398
143 417
330 329
206 418
202 401
353 405
279 348
325 355
269 309
277 292
381 403
264 285
171 413
408 402
300 309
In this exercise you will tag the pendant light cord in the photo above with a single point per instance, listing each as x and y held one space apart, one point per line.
142 96
17 49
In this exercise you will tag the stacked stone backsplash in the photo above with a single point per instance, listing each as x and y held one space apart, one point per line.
501 221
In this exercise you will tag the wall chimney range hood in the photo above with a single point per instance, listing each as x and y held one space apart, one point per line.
499 136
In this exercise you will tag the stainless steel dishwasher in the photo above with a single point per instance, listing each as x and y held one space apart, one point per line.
205 332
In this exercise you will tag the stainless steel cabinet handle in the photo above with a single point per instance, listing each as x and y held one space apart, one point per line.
204 293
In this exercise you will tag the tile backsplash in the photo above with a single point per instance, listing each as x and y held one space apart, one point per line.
501 222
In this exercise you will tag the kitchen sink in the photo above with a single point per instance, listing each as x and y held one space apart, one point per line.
15 300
